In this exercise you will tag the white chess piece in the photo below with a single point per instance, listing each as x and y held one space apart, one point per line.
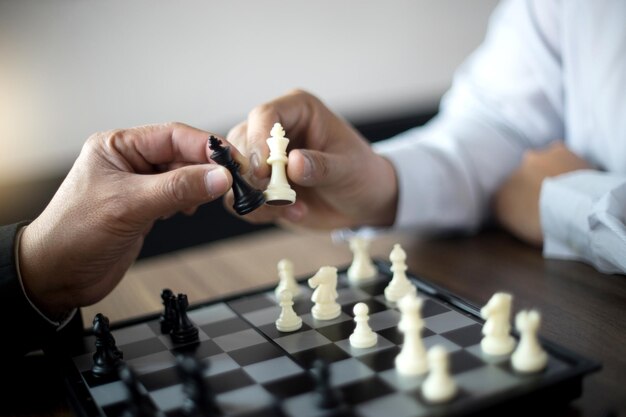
529 355
362 336
412 358
288 321
439 386
278 192
362 267
399 286
287 279
325 294
497 313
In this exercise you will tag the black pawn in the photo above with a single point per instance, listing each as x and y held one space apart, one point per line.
108 357
168 317
137 402
183 330
327 397
247 198
199 398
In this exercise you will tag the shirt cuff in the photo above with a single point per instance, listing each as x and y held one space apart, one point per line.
58 322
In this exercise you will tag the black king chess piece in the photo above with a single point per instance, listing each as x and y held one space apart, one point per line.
108 357
247 198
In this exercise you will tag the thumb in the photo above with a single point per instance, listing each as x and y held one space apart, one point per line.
314 168
162 194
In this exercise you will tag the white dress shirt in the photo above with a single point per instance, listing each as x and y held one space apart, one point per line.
548 70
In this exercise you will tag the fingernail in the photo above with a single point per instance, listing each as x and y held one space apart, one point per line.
307 170
216 182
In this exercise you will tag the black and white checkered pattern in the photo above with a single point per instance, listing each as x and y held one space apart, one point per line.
256 370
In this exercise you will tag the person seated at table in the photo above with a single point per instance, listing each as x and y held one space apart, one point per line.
79 248
532 133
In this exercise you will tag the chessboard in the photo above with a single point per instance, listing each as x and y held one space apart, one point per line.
252 369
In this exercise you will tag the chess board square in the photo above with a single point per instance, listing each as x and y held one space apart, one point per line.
255 353
116 409
374 288
272 332
252 303
272 369
465 336
152 363
436 339
381 360
301 341
229 381
238 340
220 328
169 398
303 405
291 386
381 344
264 315
141 348
244 400
338 331
462 361
431 308
347 371
351 295
302 306
485 379
211 314
372 305
329 353
199 349
166 339
308 319
384 320
160 379
445 322
108 394
218 364
364 390
396 337
477 351
398 404
128 335
402 382
554 366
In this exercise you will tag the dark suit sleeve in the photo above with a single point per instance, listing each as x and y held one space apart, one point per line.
23 329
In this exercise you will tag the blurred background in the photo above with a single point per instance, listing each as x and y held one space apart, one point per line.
69 68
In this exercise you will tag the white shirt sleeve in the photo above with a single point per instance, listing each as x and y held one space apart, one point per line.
505 99
583 217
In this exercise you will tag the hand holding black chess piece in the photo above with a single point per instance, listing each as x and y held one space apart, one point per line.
247 198
108 357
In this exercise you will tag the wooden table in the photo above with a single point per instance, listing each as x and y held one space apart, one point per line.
582 309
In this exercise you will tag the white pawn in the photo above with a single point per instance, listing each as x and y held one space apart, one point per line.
288 321
362 267
399 286
439 385
497 313
362 336
287 279
325 294
412 358
529 355
278 192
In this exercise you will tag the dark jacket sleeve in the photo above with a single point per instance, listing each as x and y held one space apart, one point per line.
23 328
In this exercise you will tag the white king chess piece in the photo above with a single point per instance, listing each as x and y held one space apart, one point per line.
278 192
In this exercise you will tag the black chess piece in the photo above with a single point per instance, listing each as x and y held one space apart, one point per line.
137 402
168 317
247 198
199 398
327 397
183 331
108 357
